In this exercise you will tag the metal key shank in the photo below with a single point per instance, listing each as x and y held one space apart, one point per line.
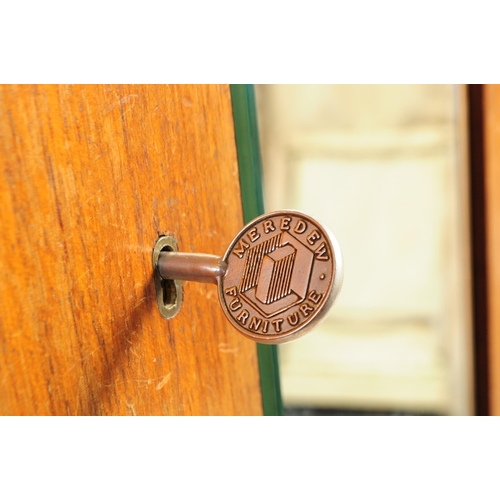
200 267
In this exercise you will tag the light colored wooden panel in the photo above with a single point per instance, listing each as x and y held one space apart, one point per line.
90 177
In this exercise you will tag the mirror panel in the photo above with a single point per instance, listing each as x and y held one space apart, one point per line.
383 167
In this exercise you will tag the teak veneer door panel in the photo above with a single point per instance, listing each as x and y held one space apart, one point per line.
90 177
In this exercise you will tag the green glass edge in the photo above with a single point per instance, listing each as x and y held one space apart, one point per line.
252 197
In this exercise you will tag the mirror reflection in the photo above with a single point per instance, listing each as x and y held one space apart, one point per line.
384 167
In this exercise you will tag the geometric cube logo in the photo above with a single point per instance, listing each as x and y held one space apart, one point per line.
276 274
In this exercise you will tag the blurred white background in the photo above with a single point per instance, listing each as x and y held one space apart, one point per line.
383 167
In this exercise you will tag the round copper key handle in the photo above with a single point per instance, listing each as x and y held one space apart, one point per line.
277 280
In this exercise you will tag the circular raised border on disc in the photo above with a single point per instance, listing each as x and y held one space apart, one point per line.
284 271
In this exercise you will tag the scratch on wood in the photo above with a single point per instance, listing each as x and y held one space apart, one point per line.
127 102
81 360
82 275
131 407
139 303
211 295
117 226
133 352
149 381
224 348
166 378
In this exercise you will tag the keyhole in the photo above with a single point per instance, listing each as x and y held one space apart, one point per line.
168 292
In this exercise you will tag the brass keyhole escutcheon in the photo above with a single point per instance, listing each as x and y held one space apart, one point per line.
168 291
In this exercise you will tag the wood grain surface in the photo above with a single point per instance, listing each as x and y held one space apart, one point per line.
491 112
90 176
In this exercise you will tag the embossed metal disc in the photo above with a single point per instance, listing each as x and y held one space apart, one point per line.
284 271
